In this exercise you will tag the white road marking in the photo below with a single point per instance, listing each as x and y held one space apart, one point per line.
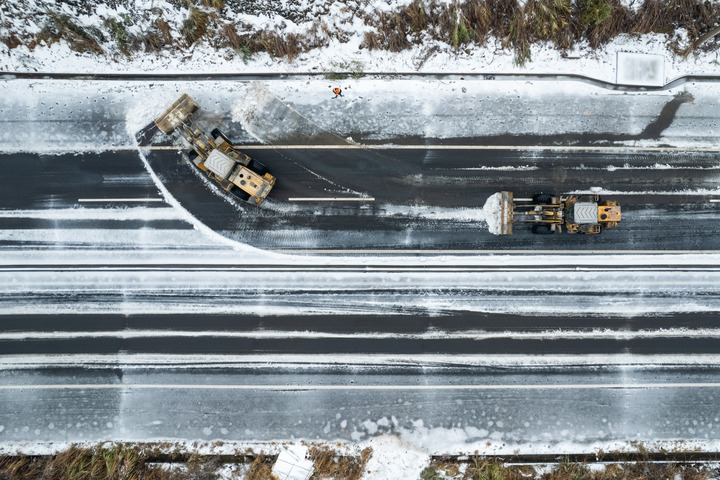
96 200
137 386
477 147
331 199
715 200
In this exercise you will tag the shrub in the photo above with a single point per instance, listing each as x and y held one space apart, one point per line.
460 34
553 20
603 20
518 38
119 33
595 12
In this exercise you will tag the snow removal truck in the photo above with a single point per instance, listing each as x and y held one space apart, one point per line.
550 213
234 171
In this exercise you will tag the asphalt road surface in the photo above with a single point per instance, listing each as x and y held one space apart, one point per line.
428 199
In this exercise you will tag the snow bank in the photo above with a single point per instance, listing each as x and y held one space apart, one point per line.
492 213
394 458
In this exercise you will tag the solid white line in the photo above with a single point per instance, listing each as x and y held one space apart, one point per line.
90 200
588 386
475 147
331 199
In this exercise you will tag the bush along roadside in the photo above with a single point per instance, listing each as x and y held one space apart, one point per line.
689 25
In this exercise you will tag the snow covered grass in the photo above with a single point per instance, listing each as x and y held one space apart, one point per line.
387 457
345 36
123 460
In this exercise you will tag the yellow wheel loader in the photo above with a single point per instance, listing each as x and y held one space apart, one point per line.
551 213
215 155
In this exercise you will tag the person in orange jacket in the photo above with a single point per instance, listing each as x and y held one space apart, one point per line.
338 92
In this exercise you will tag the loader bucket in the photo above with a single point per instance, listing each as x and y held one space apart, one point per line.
506 213
177 114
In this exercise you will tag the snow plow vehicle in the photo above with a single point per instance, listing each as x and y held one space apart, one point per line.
215 155
551 213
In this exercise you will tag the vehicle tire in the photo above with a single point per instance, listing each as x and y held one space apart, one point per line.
216 133
192 155
241 194
542 198
257 167
542 229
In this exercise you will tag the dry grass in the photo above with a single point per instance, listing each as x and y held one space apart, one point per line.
329 465
165 30
118 462
21 468
260 468
479 15
60 26
195 25
481 468
11 41
216 4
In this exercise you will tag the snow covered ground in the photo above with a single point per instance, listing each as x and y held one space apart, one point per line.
345 32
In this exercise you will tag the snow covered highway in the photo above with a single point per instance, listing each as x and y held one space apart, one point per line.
368 294
439 407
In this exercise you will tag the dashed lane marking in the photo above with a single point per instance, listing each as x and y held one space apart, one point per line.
99 200
331 199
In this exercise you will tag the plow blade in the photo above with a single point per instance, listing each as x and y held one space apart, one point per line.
507 206
177 114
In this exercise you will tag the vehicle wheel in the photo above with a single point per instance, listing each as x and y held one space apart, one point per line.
216 133
241 194
192 155
257 167
542 229
542 198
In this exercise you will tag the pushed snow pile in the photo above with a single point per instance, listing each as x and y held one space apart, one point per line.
395 458
292 464
493 215
270 120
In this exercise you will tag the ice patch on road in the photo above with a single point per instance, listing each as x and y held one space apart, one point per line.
492 213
